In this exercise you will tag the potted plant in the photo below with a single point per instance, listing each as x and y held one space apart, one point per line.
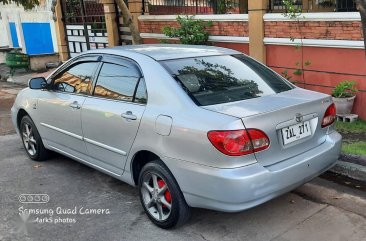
344 95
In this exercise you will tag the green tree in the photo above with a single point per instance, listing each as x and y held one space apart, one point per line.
27 4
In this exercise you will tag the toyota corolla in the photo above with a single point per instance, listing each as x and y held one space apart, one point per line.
190 126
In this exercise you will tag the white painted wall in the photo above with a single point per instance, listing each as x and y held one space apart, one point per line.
3 38
40 13
5 41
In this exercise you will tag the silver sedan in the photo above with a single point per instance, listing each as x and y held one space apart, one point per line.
190 126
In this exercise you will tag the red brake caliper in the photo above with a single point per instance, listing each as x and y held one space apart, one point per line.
167 196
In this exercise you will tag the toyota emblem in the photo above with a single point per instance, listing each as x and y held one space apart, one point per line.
299 117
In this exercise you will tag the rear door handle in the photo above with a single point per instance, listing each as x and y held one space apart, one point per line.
75 105
129 116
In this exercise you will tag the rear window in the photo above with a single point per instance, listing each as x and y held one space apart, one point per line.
221 79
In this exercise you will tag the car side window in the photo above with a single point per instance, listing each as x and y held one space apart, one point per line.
141 93
77 79
117 82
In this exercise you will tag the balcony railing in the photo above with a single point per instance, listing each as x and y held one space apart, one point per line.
167 7
315 5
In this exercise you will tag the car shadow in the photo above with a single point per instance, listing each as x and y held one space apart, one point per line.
284 210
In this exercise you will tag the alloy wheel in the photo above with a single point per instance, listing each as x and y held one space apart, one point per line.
156 196
29 141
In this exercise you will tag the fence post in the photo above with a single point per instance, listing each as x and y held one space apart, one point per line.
136 8
256 11
60 33
143 7
110 13
306 6
243 6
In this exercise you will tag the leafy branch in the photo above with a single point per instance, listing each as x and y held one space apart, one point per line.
345 89
27 4
191 31
294 13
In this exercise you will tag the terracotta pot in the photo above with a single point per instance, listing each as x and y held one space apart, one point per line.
344 105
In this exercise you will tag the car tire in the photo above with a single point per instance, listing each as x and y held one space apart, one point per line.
179 212
32 141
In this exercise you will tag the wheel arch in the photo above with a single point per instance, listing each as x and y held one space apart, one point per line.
21 113
139 160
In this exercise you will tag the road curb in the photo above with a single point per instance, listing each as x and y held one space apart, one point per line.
351 170
323 191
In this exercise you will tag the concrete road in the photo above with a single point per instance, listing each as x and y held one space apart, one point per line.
8 93
72 186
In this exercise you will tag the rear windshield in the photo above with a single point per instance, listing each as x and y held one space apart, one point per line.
221 79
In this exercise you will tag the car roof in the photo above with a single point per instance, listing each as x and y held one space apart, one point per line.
174 51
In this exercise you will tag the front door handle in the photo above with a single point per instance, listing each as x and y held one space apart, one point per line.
129 116
75 105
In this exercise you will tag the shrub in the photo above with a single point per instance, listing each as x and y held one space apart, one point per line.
191 31
345 89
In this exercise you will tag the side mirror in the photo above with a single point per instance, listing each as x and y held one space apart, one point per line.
65 87
37 83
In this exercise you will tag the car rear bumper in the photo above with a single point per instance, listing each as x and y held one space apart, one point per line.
237 189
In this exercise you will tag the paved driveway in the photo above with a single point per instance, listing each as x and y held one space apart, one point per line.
71 185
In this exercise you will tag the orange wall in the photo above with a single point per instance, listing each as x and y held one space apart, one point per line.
328 67
244 48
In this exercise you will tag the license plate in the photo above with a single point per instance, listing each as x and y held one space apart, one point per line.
296 132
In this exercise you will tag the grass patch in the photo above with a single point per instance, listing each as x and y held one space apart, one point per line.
354 137
356 148
358 126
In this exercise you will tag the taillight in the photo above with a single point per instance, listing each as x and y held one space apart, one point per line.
239 142
329 116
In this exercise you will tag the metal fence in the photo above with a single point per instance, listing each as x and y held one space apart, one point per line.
315 5
165 7
85 25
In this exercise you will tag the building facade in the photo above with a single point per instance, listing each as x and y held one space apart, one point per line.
31 31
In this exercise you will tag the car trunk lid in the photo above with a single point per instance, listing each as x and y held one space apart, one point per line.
273 113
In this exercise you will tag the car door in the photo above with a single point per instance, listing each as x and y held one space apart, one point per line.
60 107
111 117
